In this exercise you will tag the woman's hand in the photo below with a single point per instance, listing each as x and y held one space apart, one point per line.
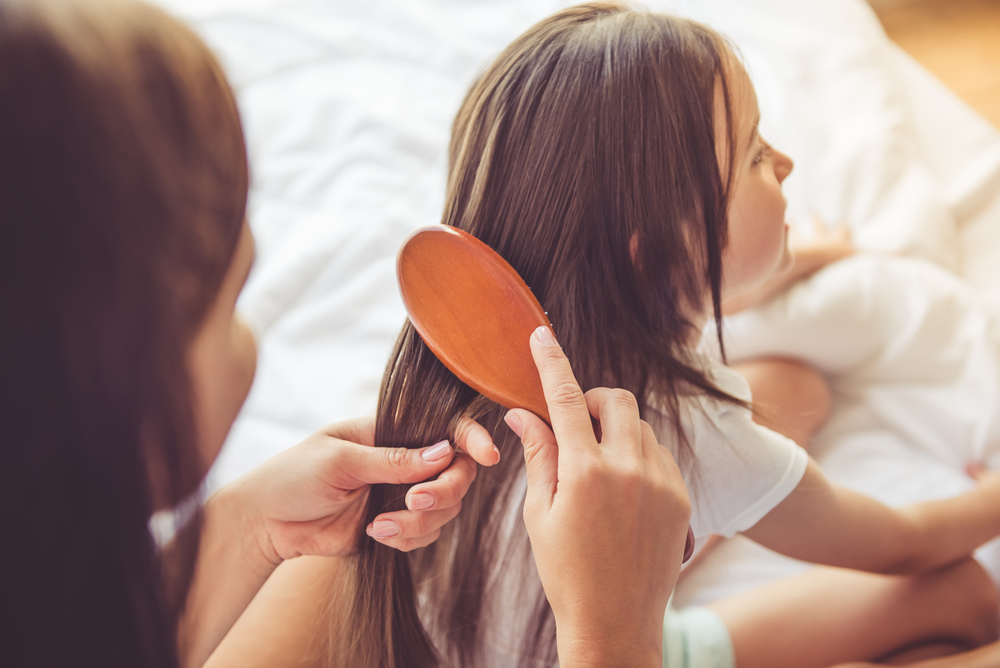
310 498
607 518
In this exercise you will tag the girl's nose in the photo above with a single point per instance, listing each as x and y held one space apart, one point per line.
783 166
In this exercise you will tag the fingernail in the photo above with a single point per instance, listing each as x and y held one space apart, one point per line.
514 423
496 450
436 452
545 336
383 529
420 501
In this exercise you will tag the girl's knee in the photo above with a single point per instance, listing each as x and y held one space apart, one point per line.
790 396
985 600
975 602
811 390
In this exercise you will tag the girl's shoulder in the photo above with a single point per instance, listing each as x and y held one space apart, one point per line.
735 469
707 422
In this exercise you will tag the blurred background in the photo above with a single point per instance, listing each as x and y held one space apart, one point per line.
957 40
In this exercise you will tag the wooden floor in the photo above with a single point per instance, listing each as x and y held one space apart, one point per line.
957 40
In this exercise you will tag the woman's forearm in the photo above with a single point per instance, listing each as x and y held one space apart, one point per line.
230 569
308 500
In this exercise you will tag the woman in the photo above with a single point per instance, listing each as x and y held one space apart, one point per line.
122 199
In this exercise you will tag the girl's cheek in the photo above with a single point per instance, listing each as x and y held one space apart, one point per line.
245 353
223 368
788 255
241 365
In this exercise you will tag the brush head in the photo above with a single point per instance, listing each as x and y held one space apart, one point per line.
475 314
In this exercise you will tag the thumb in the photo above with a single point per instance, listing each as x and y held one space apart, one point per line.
541 456
371 466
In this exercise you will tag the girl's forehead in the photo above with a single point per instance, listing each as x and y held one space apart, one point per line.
743 111
743 105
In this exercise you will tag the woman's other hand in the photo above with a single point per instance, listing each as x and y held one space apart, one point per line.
607 518
310 498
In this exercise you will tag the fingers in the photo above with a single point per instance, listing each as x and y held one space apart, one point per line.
447 489
541 456
567 406
365 465
409 529
618 413
431 505
358 430
473 438
410 544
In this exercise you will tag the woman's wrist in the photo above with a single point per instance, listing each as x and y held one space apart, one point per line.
579 649
239 521
233 564
631 640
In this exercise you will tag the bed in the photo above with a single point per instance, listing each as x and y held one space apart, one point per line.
347 108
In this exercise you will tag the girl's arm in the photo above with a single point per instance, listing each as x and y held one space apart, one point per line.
822 523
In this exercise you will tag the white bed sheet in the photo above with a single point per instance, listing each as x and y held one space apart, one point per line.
347 108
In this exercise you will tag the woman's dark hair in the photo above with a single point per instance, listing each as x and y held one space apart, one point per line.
123 183
586 156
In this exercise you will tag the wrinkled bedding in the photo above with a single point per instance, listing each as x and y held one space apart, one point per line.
913 360
347 109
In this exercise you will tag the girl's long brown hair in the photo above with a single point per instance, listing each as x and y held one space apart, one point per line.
585 155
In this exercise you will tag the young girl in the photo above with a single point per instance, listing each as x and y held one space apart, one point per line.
123 186
612 157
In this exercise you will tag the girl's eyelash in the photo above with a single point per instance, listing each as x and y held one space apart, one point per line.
765 150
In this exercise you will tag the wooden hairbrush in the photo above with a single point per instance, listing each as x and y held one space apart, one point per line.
475 313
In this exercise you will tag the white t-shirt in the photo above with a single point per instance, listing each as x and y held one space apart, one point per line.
736 471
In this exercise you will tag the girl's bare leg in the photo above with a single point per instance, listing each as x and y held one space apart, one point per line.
789 396
830 615
987 656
